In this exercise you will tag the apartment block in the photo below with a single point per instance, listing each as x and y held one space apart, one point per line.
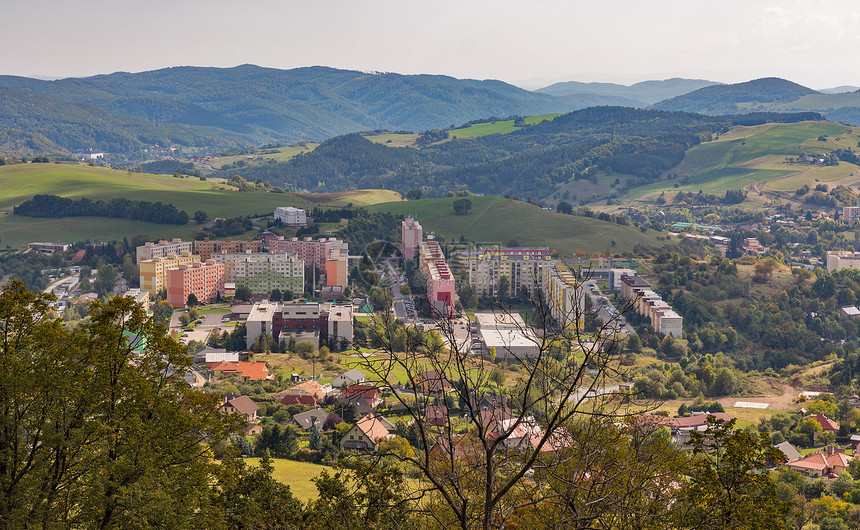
850 214
563 295
336 268
841 259
162 249
263 272
203 280
206 248
318 323
153 272
291 216
308 249
522 267
441 291
651 305
411 235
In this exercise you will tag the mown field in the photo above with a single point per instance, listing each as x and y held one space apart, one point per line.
280 154
748 155
20 182
296 475
498 127
498 220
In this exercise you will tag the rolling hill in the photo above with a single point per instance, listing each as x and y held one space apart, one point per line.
265 104
497 220
755 95
20 182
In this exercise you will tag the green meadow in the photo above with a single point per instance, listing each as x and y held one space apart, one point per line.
20 182
748 155
498 127
297 475
498 220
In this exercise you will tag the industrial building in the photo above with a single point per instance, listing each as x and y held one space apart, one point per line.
508 334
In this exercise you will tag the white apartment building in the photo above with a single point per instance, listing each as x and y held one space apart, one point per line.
291 216
263 272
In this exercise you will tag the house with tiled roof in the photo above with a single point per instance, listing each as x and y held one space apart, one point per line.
366 434
436 415
832 460
249 371
433 381
306 420
827 425
298 399
370 393
242 405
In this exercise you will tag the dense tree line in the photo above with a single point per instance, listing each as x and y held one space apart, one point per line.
54 207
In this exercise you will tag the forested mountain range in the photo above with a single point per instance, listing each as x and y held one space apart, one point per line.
254 104
530 162
645 92
736 98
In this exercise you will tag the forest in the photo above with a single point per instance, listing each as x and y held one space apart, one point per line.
529 162
54 207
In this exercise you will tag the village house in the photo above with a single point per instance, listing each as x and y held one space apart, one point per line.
350 377
833 460
248 371
371 393
366 434
306 420
242 405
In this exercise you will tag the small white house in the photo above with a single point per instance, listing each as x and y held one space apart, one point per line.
351 377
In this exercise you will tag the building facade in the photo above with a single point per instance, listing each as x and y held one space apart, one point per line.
522 267
310 250
263 272
411 235
162 249
204 280
441 291
153 272
291 216
206 248
563 295
841 259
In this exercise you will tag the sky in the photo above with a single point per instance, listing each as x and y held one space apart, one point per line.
531 43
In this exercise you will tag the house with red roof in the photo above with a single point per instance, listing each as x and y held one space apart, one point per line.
370 393
827 425
249 371
366 434
299 399
834 460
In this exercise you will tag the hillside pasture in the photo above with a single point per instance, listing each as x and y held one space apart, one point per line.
498 220
497 127
21 182
278 154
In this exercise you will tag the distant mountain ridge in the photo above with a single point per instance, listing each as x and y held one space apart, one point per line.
737 98
645 92
312 103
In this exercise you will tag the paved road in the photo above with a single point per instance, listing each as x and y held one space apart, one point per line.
618 323
56 283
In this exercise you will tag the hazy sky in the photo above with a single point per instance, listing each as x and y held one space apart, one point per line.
528 42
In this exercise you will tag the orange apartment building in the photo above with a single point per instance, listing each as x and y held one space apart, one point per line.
153 272
207 247
204 280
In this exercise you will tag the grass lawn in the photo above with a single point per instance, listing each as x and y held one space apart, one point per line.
494 220
297 475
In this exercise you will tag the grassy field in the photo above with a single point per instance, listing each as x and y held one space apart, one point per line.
498 127
498 220
747 155
296 475
20 182
280 154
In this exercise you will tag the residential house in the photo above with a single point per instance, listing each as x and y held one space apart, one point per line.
242 405
371 393
819 464
366 434
306 420
789 451
436 415
299 399
350 377
433 381
827 425
249 371
362 405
